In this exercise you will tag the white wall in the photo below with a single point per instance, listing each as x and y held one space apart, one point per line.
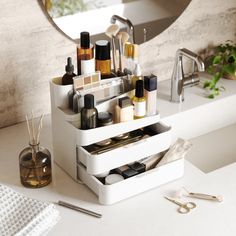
32 51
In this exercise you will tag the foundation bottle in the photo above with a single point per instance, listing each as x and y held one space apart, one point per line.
139 101
103 58
85 55
124 110
67 78
89 114
150 92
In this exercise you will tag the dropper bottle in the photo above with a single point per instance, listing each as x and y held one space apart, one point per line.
68 76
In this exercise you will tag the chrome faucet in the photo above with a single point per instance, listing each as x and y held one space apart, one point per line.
179 80
127 23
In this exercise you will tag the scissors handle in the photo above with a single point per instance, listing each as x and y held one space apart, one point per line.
190 205
185 208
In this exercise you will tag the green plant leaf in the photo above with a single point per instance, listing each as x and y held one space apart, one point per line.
217 59
211 96
230 69
206 84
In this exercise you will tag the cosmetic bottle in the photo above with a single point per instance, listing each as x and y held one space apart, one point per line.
124 110
103 58
150 92
137 75
139 101
89 114
68 76
128 51
85 55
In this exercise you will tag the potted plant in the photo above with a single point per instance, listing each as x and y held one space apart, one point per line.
220 62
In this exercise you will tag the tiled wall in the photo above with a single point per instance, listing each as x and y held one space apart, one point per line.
32 51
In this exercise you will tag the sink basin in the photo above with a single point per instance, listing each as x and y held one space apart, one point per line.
197 115
214 150
209 123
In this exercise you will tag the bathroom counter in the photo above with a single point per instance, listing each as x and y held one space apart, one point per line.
145 214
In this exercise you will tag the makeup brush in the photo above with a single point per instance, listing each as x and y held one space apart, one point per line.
124 39
120 49
111 32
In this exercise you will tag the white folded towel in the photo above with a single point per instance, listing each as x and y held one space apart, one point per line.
21 216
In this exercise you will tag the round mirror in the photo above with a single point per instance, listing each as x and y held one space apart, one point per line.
149 17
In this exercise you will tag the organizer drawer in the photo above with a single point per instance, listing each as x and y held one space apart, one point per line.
99 163
109 194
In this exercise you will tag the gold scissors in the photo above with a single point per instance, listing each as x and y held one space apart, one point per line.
183 207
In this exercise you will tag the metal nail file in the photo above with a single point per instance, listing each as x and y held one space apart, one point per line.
76 208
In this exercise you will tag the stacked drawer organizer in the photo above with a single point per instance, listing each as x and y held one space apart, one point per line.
69 154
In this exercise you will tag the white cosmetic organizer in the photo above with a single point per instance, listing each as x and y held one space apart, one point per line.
69 154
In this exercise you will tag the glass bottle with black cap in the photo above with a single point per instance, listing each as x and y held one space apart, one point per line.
103 58
89 113
85 55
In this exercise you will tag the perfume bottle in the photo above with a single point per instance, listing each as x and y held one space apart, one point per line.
34 160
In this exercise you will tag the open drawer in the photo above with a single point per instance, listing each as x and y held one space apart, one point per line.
109 194
99 163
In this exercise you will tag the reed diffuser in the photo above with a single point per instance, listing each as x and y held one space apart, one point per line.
35 161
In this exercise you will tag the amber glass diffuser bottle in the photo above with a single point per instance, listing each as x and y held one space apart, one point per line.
34 160
85 55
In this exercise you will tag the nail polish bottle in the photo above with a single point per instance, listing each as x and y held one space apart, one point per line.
89 114
103 58
85 55
68 76
139 101
150 92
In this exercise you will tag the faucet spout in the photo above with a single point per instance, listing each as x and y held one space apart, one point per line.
127 23
179 80
193 56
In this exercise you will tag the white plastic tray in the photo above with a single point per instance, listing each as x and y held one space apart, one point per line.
110 194
97 164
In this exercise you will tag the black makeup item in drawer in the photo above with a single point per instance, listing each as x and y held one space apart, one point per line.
112 193
140 143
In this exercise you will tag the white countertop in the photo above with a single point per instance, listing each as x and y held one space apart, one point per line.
146 214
